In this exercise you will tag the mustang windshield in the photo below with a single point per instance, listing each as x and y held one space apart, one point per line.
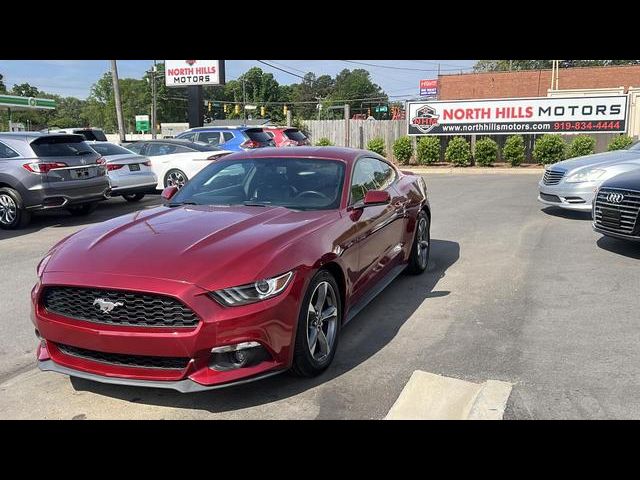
296 183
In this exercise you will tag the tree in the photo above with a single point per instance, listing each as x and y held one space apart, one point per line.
3 88
506 65
25 90
356 84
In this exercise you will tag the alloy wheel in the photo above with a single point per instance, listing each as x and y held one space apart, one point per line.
8 210
322 321
176 178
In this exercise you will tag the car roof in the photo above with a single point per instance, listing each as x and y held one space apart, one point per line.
32 135
332 153
203 147
223 127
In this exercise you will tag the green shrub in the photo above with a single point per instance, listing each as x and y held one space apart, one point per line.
376 145
549 148
486 152
513 150
403 149
428 150
324 142
619 142
458 152
581 145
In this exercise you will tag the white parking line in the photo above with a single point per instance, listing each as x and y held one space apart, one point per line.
428 396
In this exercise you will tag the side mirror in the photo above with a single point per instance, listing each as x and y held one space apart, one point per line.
169 192
376 197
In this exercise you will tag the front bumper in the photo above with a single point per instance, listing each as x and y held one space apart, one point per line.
577 196
607 233
271 323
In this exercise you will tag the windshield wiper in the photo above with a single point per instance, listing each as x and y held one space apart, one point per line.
256 204
179 204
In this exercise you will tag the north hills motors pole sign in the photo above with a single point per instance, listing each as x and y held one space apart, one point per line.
604 114
182 73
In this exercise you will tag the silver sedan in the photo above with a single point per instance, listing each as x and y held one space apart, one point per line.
571 184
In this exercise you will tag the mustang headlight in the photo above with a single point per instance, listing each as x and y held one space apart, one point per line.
252 292
590 175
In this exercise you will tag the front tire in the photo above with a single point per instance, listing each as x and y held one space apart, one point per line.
318 326
82 210
419 258
12 213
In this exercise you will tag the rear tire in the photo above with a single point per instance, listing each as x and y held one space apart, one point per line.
175 177
82 210
311 358
133 197
419 258
12 212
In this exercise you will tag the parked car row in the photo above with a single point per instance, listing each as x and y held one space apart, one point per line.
605 184
239 138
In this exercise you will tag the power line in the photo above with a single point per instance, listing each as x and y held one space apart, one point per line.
290 67
405 68
281 69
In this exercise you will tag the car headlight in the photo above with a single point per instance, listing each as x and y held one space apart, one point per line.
590 175
252 292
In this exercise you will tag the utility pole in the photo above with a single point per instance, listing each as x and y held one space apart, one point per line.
244 101
116 93
154 117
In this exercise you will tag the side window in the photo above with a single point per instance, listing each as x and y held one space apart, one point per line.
364 179
135 147
188 136
271 134
383 174
212 138
227 136
6 152
156 149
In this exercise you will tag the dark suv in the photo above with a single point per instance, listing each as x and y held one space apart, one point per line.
47 171
616 207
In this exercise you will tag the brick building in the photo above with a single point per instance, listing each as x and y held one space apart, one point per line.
534 83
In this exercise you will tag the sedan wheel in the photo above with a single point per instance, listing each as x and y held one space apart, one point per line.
318 326
11 215
419 259
175 178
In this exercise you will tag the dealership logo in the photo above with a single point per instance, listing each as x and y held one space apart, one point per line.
425 119
106 306
615 198
190 62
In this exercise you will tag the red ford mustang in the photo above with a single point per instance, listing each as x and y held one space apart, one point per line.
250 269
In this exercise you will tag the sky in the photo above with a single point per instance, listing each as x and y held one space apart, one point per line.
74 77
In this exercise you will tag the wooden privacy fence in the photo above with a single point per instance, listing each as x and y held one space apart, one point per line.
361 131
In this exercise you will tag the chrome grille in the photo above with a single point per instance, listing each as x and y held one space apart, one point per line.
617 217
552 177
134 309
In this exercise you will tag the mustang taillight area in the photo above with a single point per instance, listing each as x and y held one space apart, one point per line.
230 357
252 292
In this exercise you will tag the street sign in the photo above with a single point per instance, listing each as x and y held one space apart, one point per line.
429 87
382 109
250 107
142 123
182 73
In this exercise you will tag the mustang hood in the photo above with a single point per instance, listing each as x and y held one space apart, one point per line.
597 159
208 246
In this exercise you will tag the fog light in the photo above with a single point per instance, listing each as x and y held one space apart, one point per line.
238 355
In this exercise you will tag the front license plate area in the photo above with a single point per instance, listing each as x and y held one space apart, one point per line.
610 217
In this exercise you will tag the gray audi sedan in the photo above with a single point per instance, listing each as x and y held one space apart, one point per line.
48 171
571 184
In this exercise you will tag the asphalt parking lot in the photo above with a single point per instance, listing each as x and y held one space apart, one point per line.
514 292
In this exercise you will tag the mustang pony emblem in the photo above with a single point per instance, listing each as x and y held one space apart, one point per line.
106 306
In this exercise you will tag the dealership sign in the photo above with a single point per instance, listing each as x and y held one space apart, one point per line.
604 114
182 73
429 87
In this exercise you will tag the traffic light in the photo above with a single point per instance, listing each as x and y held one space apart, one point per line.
209 106
224 108
237 109
263 111
284 109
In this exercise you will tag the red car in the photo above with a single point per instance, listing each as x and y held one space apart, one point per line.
250 269
287 136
